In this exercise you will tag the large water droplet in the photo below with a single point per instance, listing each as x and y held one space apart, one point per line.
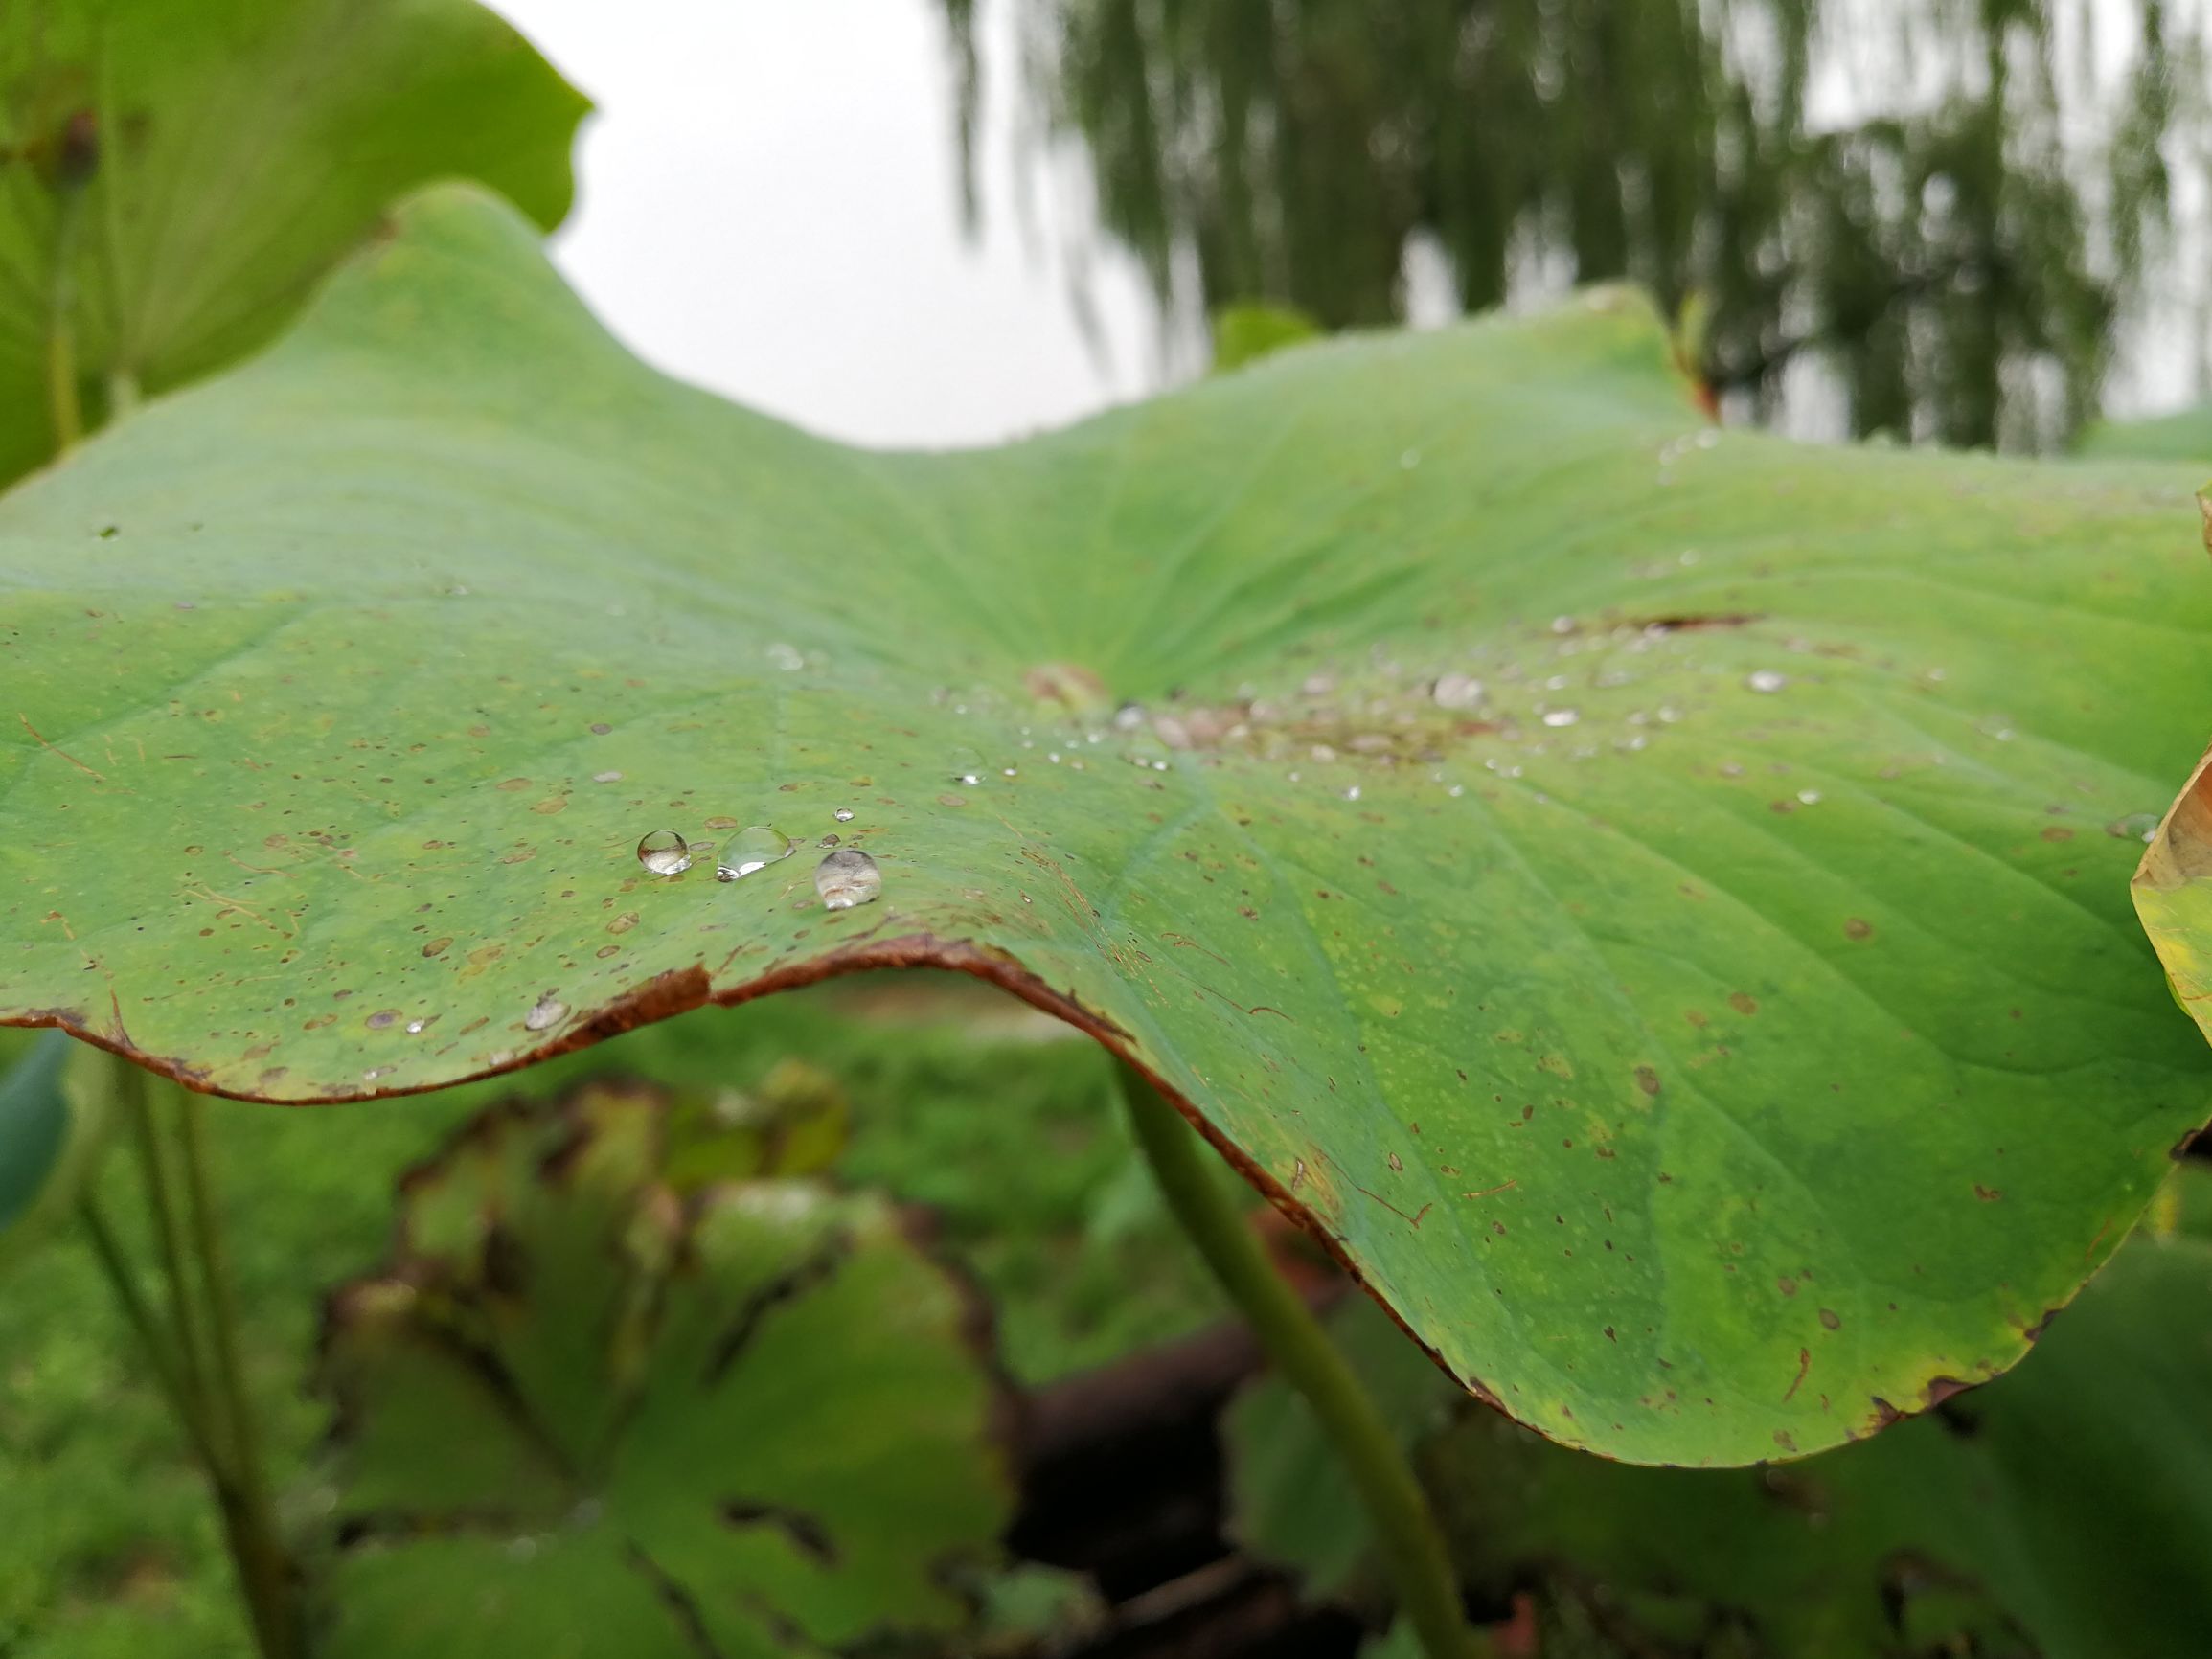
847 878
843 814
753 847
665 853
1765 680
549 1012
967 766
785 657
1560 717
2135 827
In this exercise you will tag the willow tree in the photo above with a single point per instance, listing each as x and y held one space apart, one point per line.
1947 206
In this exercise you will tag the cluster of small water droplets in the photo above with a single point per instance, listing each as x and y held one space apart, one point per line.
754 848
848 877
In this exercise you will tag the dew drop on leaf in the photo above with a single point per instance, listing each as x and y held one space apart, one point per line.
1765 680
847 878
967 766
549 1012
843 814
2135 827
753 847
665 853
1560 717
1456 692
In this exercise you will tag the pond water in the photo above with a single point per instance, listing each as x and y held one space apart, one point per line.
1906 218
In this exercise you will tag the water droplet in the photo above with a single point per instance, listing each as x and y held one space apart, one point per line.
1456 790
2135 827
1810 797
1560 717
789 658
1006 771
665 853
1765 680
1563 625
847 878
1409 460
1128 717
374 1072
843 814
549 1012
1456 692
1352 792
967 766
606 777
753 847
416 1027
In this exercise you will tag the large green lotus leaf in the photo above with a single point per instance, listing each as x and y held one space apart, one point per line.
177 173
2065 1510
576 1416
1713 1033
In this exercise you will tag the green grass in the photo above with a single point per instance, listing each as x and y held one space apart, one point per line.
109 1546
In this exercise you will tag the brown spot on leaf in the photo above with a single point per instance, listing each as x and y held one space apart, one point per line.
1854 927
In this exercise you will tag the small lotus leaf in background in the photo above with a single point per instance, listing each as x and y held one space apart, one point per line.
2185 435
1653 900
1244 335
580 1417
216 157
793 1122
49 1137
2173 887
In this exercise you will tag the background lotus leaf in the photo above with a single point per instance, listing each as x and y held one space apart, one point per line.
176 174
578 1414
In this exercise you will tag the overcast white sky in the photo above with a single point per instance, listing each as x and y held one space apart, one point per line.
769 207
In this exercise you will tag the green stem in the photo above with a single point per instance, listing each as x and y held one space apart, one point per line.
1406 1534
66 411
184 1340
124 1283
265 1569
